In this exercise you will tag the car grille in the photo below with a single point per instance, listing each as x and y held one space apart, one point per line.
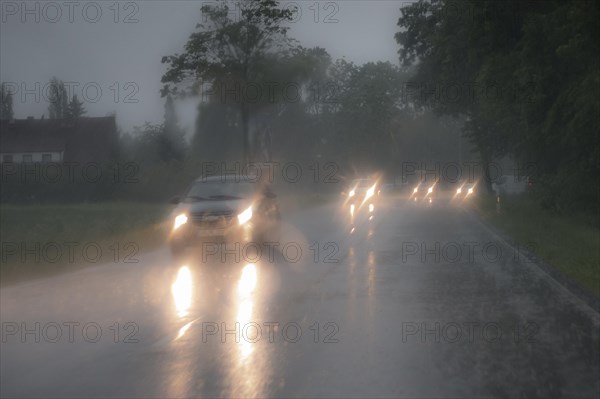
212 218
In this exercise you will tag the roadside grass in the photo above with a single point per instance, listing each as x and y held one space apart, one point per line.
570 243
43 240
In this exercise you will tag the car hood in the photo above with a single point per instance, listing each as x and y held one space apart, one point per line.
217 206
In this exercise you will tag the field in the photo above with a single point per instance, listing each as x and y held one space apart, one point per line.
41 240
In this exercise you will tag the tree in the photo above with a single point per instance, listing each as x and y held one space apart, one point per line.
172 138
6 103
75 108
58 99
232 54
171 124
146 143
370 111
309 68
541 60
216 129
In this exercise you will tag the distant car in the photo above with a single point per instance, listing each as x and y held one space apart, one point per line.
224 207
465 190
362 195
426 191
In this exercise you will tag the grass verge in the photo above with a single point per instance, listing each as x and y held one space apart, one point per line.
43 240
570 243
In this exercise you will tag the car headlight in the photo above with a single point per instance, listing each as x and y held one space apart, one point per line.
430 190
370 192
180 220
351 193
459 190
470 191
415 190
245 215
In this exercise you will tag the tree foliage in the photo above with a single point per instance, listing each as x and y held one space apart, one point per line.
75 108
369 112
529 78
231 52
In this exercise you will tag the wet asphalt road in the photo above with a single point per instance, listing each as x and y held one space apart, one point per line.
417 303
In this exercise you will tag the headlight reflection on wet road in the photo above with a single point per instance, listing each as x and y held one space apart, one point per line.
247 282
246 287
182 291
249 370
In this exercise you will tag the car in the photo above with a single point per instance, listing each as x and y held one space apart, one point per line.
426 191
465 190
362 195
228 208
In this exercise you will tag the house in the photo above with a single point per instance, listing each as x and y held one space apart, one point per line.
81 140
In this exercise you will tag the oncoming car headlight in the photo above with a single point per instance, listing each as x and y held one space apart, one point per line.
245 216
180 220
370 192
351 193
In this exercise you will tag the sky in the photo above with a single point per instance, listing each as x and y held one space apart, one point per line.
108 52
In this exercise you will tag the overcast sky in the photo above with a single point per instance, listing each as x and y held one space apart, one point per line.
109 52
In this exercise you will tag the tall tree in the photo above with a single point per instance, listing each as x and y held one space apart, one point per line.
172 137
58 98
6 103
75 108
171 124
230 52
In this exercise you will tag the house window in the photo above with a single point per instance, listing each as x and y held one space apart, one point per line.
27 158
46 158
7 158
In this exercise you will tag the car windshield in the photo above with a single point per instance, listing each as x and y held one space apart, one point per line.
218 190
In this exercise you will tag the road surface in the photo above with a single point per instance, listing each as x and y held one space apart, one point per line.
417 303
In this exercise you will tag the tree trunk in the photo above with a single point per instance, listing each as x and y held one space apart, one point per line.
247 151
487 179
